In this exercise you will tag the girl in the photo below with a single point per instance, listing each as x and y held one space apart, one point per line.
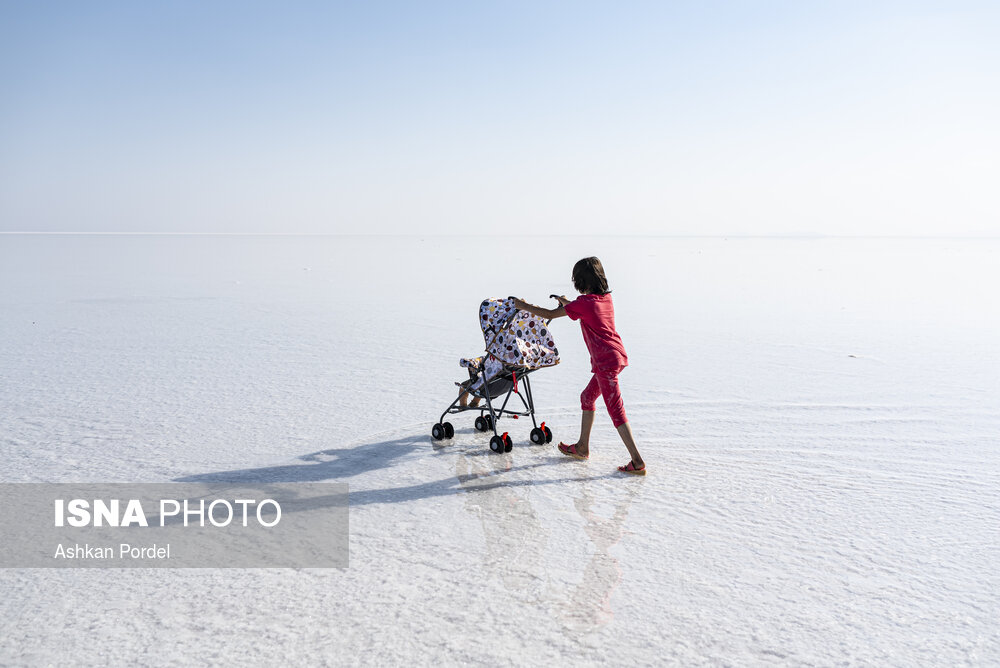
596 313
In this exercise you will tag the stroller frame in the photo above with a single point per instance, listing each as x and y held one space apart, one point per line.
502 384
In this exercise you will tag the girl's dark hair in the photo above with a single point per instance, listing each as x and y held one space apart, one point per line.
588 277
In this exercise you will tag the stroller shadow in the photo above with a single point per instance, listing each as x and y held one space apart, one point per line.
323 465
337 464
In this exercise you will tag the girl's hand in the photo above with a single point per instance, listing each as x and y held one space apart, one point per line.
562 300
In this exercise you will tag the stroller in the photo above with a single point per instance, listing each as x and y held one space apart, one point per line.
517 345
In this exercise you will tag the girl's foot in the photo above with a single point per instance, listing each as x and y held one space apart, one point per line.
475 401
632 469
572 451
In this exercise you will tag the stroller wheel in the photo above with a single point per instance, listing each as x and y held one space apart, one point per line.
537 436
437 431
508 444
548 434
489 422
449 430
496 444
481 424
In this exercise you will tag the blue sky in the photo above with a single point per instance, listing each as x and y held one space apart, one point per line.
710 118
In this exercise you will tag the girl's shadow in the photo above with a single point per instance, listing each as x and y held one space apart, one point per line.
338 464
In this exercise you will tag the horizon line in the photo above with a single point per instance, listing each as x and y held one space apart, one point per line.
443 234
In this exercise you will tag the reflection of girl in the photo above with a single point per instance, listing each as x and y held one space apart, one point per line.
589 603
596 313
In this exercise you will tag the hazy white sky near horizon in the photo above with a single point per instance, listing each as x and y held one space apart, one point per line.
570 117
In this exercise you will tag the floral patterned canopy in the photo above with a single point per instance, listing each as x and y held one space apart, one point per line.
515 337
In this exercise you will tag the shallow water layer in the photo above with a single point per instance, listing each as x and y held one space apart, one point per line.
820 419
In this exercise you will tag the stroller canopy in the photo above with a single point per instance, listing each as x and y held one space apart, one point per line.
516 337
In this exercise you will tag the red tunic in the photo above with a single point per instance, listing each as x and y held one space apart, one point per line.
596 314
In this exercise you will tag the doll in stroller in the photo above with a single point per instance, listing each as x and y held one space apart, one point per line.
517 344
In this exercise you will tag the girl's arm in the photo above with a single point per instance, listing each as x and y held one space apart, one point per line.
547 313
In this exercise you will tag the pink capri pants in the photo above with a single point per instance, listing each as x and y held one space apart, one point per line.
605 383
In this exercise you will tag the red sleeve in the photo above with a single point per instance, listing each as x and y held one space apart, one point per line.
573 310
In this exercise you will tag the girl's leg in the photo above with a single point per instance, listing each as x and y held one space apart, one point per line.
616 409
586 424
625 432
588 402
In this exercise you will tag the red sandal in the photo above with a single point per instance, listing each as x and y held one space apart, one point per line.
571 451
632 470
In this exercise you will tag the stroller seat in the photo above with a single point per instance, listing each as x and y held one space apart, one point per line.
496 386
